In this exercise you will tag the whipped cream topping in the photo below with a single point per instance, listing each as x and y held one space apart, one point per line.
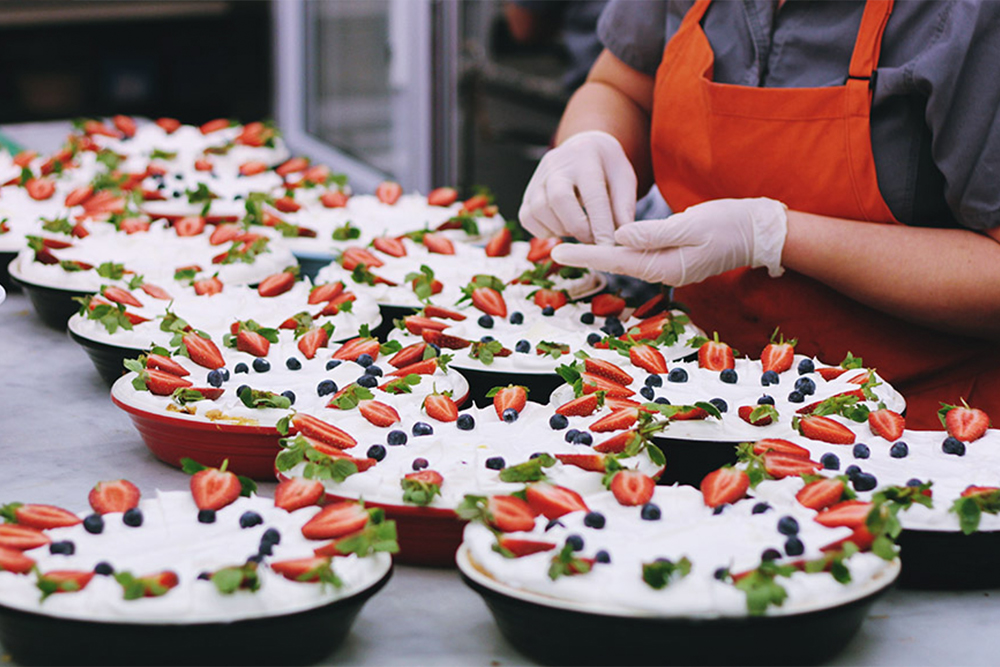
171 538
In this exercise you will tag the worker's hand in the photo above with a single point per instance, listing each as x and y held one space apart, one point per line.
584 188
703 241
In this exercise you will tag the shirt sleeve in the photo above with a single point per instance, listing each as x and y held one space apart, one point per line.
958 72
635 32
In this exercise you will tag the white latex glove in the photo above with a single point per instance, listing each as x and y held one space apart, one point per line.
705 240
583 188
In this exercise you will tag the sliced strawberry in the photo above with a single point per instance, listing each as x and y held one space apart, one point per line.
252 168
160 383
294 493
446 341
15 562
476 202
215 125
336 520
40 189
379 414
616 421
207 286
79 195
608 370
317 174
66 581
116 496
591 462
654 306
862 538
203 164
489 301
437 311
781 446
312 340
594 383
746 411
965 423
43 517
203 351
778 356
521 548
820 494
716 356
354 348
647 358
333 199
410 354
725 485
210 393
780 465
850 513
441 407
416 324
388 192
616 444
166 364
119 295
134 225
390 246
24 158
831 373
305 570
553 501
339 454
510 397
439 244
887 424
190 226
825 429
436 285
631 487
276 283
442 197
156 292
21 538
252 342
80 231
326 292
214 488
287 205
354 256
425 367
224 234
499 245
510 514
604 305
811 407
693 413
579 407
539 249
322 431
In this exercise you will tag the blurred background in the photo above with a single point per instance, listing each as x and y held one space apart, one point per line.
427 92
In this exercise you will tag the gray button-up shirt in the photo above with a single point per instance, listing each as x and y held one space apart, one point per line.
935 121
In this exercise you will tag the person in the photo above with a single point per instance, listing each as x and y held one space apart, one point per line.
834 168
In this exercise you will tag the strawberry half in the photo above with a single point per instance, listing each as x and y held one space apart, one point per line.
965 423
325 292
425 367
79 195
156 292
825 429
390 246
647 358
207 286
654 306
66 581
442 197
116 496
780 465
781 446
275 284
446 341
605 305
410 354
439 244
417 324
40 189
778 355
43 517
312 340
553 501
499 245
388 192
579 407
591 462
521 548
119 295
746 414
714 355
15 562
616 444
723 486
887 424
510 397
593 383
607 370
550 298
215 488
489 301
334 199
631 487
21 538
316 428
623 418
252 342
160 383
378 414
252 168
820 494
336 521
353 257
304 570
850 513
510 514
166 364
354 348
440 407
292 166
295 493
540 249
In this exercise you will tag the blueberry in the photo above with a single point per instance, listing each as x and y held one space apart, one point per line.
864 481
326 387
575 542
132 517
465 422
206 516
593 339
293 364
368 381
677 375
602 556
594 520
587 318
760 508
805 386
516 318
243 387
420 463
522 346
376 452
794 546
662 400
787 525
806 366
265 549
553 523
271 536
613 328
65 548
257 558
861 451
94 524
571 435
796 397
290 395
899 450
241 368
830 461
261 365
612 321
716 511
770 554
913 481
583 438
650 512
333 363
765 400
204 576
721 573
486 321
768 378
250 519
397 437
647 393
215 378
225 374
953 446
374 371
729 376
558 422
852 471
422 428
510 415
720 404
487 339
365 360
548 311
654 381
104 569
496 463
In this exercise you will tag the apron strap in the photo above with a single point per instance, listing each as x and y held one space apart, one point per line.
697 12
868 46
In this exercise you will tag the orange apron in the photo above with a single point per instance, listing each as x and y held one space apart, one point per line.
811 149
